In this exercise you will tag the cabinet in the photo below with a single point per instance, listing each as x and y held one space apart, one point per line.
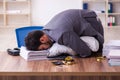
107 10
1 13
14 13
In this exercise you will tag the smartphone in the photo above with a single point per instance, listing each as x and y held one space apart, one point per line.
58 63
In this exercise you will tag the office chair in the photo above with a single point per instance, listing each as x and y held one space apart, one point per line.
22 32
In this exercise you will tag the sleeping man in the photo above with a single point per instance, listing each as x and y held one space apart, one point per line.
72 28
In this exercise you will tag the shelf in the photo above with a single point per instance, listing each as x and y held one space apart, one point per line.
113 13
1 13
112 18
113 0
17 1
1 1
17 25
94 1
101 14
113 27
15 12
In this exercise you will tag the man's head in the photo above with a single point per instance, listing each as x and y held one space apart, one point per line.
37 40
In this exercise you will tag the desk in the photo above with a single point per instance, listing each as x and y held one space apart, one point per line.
17 66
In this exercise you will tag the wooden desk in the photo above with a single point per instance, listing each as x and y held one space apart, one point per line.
17 66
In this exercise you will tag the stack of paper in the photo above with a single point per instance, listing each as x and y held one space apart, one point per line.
111 45
33 55
114 54
114 57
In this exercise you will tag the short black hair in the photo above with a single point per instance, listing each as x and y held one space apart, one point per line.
32 40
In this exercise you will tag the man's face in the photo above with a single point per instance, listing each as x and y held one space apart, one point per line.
46 42
44 39
43 47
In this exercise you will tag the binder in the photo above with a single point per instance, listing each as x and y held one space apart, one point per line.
110 7
111 20
85 6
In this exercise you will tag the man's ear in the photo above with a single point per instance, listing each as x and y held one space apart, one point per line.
41 39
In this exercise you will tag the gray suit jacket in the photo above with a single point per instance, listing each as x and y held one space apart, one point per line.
67 27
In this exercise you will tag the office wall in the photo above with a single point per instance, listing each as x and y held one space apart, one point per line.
44 10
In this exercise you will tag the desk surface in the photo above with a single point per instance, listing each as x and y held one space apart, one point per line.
12 65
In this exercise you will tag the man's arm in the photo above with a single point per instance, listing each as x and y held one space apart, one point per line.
90 31
72 40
